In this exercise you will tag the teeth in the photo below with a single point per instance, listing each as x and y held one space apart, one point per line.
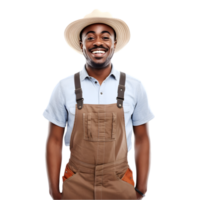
98 52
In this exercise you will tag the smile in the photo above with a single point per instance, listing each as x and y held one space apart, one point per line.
98 54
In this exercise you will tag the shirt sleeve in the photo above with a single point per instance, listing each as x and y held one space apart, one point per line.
142 112
56 111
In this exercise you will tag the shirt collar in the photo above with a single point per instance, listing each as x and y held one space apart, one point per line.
84 74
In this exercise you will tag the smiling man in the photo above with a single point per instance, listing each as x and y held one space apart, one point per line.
102 107
98 42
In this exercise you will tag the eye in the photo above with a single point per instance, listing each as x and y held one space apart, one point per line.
90 38
105 38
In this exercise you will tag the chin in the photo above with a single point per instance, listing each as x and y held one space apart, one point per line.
98 63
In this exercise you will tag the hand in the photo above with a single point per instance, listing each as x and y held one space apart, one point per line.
139 196
56 195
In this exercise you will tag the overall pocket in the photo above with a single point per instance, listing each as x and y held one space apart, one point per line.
68 173
129 177
125 183
99 126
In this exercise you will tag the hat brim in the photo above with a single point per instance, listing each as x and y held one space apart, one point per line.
72 31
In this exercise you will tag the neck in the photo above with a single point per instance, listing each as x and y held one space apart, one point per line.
98 73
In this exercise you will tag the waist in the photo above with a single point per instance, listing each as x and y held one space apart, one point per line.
80 166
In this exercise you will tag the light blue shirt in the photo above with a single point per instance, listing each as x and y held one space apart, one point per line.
62 103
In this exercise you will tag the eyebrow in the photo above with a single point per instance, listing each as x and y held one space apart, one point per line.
94 32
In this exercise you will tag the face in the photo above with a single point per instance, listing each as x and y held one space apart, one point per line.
98 45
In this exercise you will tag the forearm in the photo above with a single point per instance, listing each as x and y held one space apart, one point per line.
142 159
53 163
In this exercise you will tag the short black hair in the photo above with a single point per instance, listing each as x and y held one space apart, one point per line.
80 35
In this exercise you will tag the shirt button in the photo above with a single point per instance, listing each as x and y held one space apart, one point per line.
95 81
101 92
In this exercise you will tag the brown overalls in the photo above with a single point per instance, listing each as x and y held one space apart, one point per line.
98 166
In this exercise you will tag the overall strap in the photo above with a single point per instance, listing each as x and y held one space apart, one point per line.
121 89
78 90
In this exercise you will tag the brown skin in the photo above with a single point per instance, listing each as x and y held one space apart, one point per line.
142 157
99 68
54 158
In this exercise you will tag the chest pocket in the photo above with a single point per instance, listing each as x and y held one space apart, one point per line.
99 126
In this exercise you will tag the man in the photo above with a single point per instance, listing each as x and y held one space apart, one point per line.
102 106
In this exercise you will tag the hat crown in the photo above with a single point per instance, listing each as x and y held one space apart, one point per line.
98 13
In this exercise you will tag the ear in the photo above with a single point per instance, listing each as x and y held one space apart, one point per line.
115 43
81 44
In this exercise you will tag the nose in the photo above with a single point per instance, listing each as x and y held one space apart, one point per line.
97 42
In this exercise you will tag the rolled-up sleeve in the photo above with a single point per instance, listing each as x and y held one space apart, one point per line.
142 112
56 111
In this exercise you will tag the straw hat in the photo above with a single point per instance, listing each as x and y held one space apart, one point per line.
72 31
